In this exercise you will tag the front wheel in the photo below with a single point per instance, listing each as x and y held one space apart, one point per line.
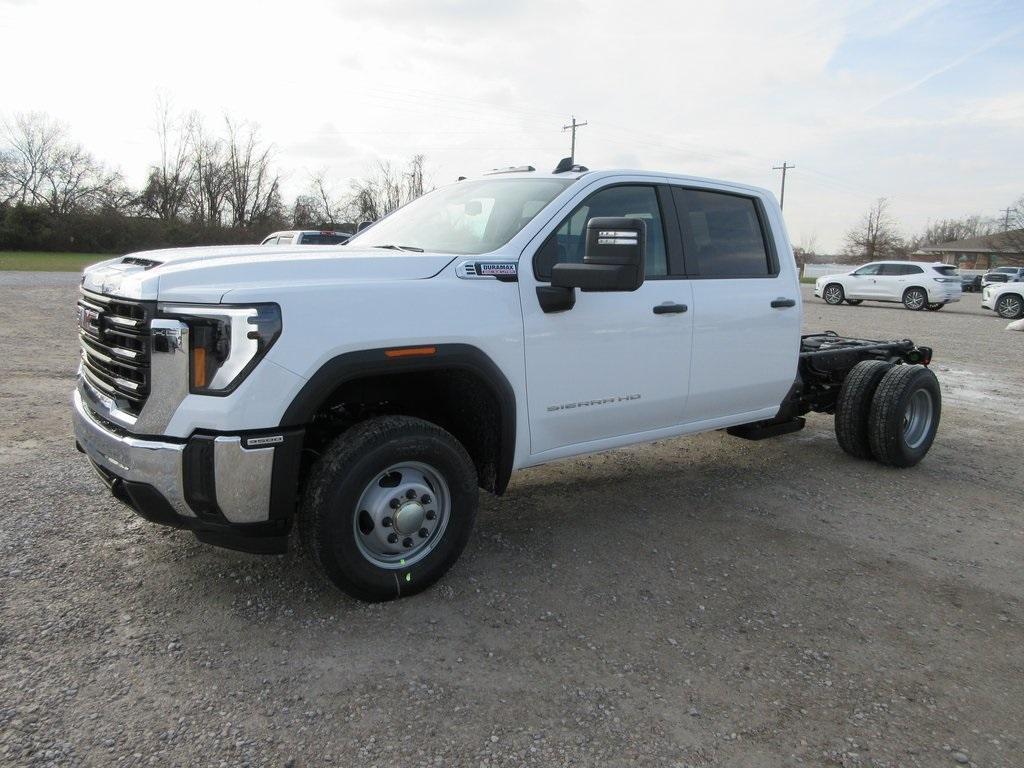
935 307
389 507
904 415
915 298
1010 306
833 294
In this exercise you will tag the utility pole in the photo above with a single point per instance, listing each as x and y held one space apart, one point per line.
572 127
784 167
1006 219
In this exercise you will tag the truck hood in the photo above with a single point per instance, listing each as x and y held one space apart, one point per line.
206 274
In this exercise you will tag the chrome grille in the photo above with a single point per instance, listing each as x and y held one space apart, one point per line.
115 340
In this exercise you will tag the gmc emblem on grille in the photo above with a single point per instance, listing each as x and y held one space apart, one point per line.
88 319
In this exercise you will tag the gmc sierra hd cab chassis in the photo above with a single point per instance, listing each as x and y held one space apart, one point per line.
367 391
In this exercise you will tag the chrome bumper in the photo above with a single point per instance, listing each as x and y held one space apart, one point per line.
142 461
242 477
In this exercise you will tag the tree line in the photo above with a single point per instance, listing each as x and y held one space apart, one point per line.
205 187
877 234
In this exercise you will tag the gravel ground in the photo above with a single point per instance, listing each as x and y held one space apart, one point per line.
702 601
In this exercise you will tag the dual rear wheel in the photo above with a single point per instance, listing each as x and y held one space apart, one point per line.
888 412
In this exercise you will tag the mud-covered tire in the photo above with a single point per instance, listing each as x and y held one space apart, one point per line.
904 415
833 294
915 299
355 463
854 406
854 302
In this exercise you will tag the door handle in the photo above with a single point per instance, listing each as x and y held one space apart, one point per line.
780 303
670 309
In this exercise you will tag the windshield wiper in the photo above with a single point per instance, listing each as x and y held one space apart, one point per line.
401 248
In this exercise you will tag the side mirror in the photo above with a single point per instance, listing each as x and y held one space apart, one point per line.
614 258
363 225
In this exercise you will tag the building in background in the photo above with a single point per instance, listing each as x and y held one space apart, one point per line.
1005 249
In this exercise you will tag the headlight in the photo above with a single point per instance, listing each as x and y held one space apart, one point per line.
225 342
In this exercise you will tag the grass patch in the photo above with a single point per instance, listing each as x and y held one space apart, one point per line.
808 280
40 261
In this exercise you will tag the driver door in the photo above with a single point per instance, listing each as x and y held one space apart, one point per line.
610 366
863 282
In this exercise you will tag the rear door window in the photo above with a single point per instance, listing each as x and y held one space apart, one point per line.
722 234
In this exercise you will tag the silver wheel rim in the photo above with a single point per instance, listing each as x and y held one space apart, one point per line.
915 300
917 419
402 515
1009 307
833 295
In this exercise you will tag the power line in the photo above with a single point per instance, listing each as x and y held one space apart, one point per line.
784 167
573 126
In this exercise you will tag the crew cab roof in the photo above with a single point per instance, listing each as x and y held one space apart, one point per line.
654 176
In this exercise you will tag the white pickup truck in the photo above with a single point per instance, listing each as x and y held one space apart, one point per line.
365 392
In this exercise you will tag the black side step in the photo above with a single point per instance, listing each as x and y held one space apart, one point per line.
760 430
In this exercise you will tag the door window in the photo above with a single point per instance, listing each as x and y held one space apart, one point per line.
870 269
567 243
900 269
722 233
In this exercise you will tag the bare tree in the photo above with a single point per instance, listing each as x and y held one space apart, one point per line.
253 188
76 180
386 189
951 230
167 186
876 235
414 178
1013 230
319 206
34 141
206 197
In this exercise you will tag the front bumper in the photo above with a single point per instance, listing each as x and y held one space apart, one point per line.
236 491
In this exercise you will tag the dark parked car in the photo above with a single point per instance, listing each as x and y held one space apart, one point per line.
1004 275
970 283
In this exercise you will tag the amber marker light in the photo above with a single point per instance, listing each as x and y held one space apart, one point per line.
411 352
199 367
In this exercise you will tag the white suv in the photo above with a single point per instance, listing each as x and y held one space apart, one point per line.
917 286
1005 299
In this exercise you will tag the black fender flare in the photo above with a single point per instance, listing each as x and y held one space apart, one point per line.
375 362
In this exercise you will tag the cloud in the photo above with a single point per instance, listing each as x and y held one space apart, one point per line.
956 62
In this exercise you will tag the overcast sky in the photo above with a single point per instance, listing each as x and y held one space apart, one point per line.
921 102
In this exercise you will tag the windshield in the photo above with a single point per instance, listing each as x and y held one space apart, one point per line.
469 217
